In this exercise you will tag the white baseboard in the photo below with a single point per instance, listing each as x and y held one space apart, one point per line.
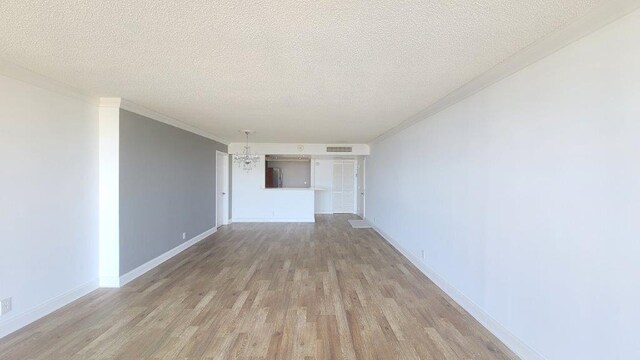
514 343
264 220
131 275
17 321
20 320
109 282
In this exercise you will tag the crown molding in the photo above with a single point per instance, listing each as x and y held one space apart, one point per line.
141 110
110 102
596 19
19 73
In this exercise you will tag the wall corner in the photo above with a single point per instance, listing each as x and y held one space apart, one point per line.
109 191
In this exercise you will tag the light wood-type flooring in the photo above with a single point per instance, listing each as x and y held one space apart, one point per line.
267 291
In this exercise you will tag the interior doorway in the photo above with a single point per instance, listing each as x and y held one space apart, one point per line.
343 191
222 189
360 174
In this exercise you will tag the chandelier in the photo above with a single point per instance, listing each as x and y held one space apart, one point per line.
246 159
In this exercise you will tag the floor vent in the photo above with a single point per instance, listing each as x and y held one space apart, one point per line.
340 149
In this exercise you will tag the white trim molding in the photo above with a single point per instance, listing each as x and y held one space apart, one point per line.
141 110
140 270
268 220
109 282
514 343
599 17
20 320
17 72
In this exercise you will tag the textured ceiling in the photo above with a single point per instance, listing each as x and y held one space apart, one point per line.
294 71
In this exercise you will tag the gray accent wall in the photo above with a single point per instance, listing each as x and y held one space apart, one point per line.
167 187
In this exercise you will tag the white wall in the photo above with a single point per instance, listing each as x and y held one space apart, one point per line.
295 149
251 202
526 198
49 201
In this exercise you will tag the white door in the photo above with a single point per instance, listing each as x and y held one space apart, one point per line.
348 187
361 184
343 193
336 189
222 188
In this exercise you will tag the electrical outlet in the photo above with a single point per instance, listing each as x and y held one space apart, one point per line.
422 254
5 305
184 236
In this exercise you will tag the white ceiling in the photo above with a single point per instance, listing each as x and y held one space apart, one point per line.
294 71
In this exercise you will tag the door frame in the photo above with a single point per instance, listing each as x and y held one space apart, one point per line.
222 162
364 187
355 186
354 199
362 175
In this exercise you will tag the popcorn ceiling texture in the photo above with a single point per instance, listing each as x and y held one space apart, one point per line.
294 71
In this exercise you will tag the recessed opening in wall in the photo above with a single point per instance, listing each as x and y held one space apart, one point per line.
287 171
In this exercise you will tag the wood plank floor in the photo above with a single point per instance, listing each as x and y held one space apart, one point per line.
267 291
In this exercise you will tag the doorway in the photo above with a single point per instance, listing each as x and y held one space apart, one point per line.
222 189
344 189
361 163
